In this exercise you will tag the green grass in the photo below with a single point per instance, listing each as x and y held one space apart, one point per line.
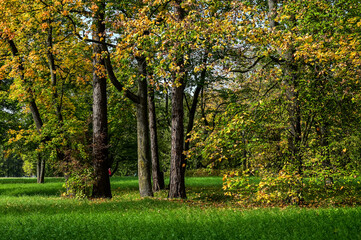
32 211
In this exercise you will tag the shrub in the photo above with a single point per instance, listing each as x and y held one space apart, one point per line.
78 184
285 187
238 184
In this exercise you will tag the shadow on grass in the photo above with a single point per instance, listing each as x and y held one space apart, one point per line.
34 189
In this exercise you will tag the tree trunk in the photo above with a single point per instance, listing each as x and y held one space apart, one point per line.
157 174
177 184
53 77
193 109
40 169
101 186
144 156
33 108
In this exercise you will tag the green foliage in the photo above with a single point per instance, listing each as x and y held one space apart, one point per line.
290 188
28 168
240 185
79 184
284 188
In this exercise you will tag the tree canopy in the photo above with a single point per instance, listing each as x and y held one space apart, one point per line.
264 87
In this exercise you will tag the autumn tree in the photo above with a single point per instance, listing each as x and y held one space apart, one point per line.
45 75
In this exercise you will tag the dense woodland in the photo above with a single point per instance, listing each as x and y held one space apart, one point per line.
156 88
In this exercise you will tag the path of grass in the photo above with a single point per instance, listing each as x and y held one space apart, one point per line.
29 213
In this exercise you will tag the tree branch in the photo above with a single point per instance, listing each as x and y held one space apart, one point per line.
249 68
108 65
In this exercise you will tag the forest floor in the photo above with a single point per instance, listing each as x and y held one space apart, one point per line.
37 211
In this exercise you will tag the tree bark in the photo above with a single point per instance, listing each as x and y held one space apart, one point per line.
40 169
53 77
193 109
157 174
177 184
101 186
144 156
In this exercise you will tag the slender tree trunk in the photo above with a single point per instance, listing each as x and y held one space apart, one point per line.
144 156
193 109
101 186
55 96
157 174
32 105
294 116
40 169
53 77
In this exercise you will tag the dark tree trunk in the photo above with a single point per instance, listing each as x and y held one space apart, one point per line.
177 187
157 174
101 186
144 156
177 184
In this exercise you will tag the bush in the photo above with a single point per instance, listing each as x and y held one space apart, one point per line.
285 187
239 184
78 184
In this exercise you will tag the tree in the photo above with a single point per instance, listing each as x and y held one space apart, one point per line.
33 35
101 186
144 158
177 184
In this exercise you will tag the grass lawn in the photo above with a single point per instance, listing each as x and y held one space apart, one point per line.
32 211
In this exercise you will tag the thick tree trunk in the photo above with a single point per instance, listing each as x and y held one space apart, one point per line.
144 156
157 174
101 186
177 184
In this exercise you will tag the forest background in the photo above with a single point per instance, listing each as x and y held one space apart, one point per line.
266 89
